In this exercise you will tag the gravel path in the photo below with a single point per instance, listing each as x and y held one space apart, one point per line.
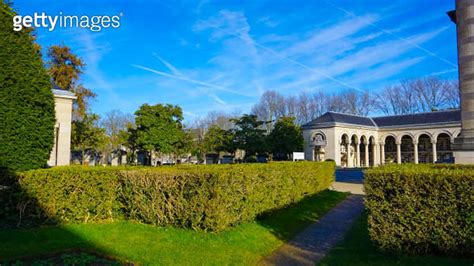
313 243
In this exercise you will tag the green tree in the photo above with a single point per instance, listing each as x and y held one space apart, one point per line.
159 127
249 135
26 101
285 138
65 68
217 140
87 136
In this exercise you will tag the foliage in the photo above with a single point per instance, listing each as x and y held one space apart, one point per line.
285 138
143 244
159 127
216 197
65 68
212 197
358 250
87 136
421 208
60 195
217 140
26 100
248 134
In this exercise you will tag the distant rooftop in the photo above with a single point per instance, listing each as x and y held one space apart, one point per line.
58 91
439 117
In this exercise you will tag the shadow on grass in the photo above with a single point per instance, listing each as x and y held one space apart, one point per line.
20 218
287 222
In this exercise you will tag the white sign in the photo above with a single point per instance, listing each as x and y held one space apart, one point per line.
298 156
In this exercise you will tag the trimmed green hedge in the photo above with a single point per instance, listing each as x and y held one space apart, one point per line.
199 197
421 208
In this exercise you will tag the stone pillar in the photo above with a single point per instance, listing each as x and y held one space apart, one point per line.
399 153
464 145
366 164
415 151
382 153
374 154
435 154
349 156
357 155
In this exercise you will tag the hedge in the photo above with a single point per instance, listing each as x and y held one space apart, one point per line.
421 209
210 198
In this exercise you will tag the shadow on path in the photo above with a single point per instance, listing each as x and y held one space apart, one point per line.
312 244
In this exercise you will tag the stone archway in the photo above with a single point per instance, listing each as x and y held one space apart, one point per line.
443 148
390 149
407 149
344 147
353 158
425 149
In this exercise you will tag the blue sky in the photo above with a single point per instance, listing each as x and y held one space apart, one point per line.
222 55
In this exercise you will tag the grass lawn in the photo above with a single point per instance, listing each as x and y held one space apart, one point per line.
146 244
357 249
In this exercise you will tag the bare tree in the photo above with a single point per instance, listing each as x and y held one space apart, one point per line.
429 93
271 106
115 124
451 95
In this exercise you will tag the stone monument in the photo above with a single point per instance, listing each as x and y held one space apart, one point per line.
463 16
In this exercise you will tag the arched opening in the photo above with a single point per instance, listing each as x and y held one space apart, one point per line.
443 148
407 150
344 150
390 148
425 149
353 151
319 142
363 152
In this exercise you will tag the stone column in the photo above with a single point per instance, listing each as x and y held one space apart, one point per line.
374 154
464 17
349 156
366 164
415 150
382 153
435 154
357 155
399 153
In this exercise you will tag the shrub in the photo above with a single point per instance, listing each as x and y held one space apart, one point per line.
215 197
211 197
26 99
421 208
60 195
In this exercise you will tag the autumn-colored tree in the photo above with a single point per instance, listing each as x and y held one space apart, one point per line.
65 68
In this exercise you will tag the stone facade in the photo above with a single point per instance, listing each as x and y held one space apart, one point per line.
356 141
61 152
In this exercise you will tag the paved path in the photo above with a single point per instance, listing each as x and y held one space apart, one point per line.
357 189
313 243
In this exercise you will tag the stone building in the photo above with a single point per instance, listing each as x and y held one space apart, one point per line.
61 152
448 136
360 141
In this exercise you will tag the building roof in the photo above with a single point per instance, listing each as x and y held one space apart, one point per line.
439 117
60 92
330 118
